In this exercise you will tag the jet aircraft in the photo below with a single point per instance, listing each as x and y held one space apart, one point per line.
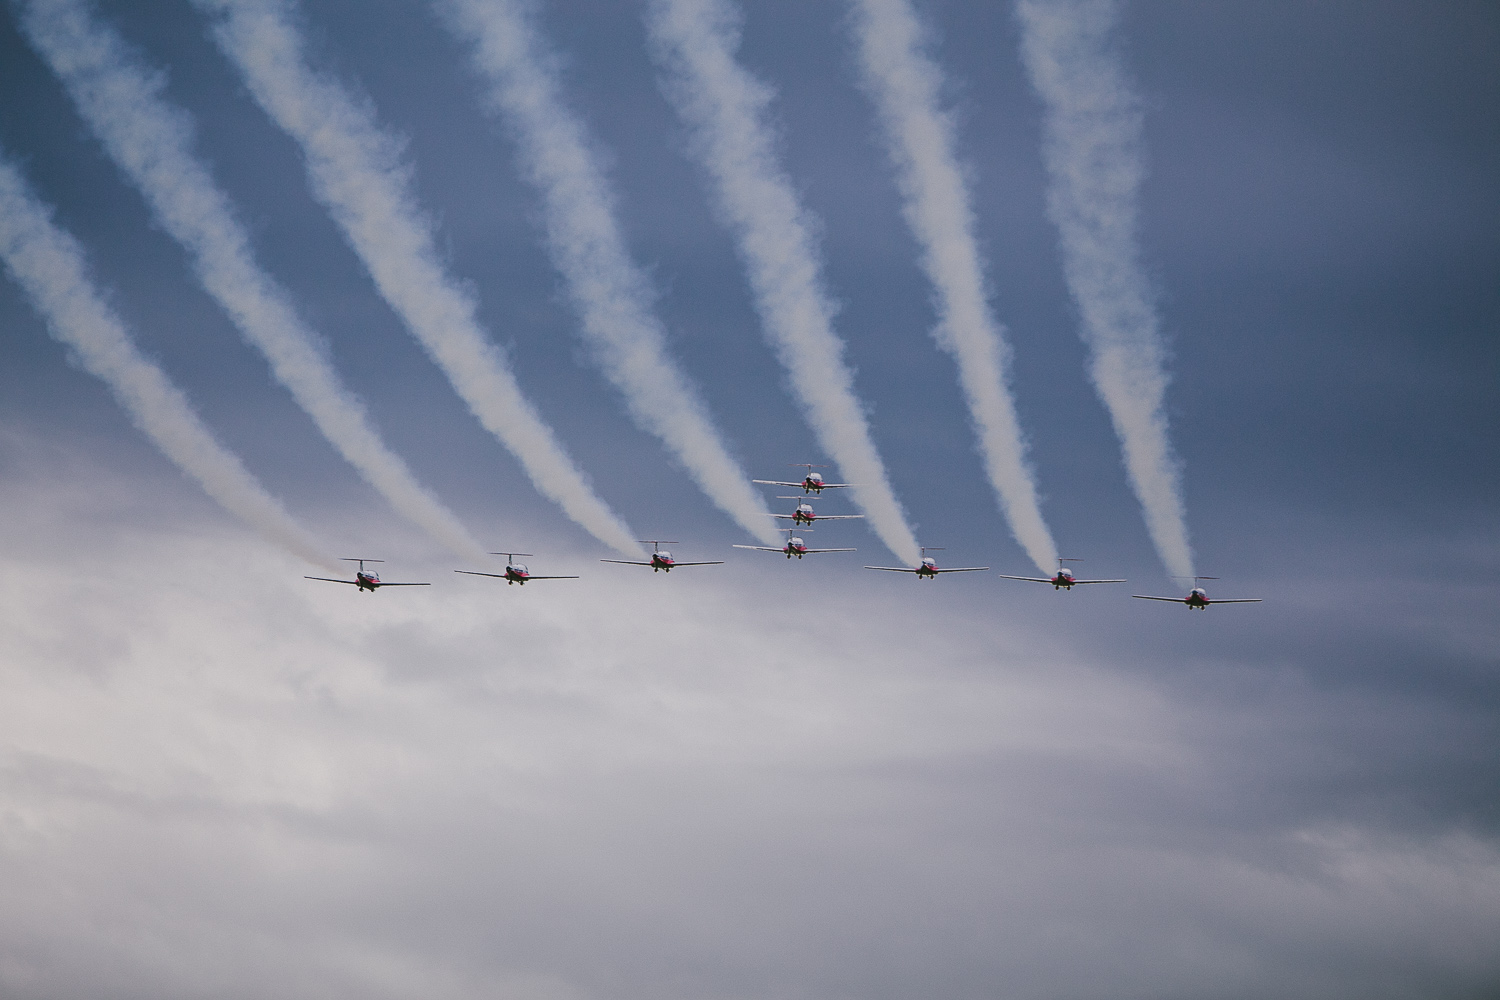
1064 580
661 560
928 567
811 483
794 546
1197 599
804 514
365 581
514 572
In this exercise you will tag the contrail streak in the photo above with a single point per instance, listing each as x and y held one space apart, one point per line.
357 172
151 142
1092 147
904 83
611 294
725 108
49 265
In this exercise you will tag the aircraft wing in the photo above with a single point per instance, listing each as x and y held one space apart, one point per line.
626 562
329 579
1238 600
895 569
1100 581
838 517
384 584
716 562
1030 579
1174 600
759 548
826 486
813 551
502 576
960 569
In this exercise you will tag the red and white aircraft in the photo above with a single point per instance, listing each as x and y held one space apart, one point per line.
661 560
794 546
1064 580
514 572
365 581
811 483
804 514
1197 599
928 567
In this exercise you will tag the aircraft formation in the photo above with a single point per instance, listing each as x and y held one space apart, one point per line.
662 560
116 91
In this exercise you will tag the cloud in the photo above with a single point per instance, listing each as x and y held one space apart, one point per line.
630 786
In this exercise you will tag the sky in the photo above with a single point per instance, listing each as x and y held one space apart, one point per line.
774 778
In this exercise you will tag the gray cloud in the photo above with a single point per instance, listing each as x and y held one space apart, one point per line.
618 790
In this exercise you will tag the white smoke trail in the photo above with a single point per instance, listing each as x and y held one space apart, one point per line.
904 83
725 108
49 265
151 142
1092 147
610 293
357 171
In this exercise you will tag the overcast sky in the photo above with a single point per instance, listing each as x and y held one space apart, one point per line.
775 779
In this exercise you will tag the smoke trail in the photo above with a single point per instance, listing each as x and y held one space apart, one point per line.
610 293
904 83
725 108
356 170
48 264
151 141
1092 147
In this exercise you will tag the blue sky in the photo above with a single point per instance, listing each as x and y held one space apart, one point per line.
779 779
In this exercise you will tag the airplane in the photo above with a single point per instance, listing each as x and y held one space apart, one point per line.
1197 599
365 581
804 514
928 567
795 546
661 560
1064 580
514 572
811 483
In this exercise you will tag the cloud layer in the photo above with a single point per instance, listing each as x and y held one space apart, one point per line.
293 789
